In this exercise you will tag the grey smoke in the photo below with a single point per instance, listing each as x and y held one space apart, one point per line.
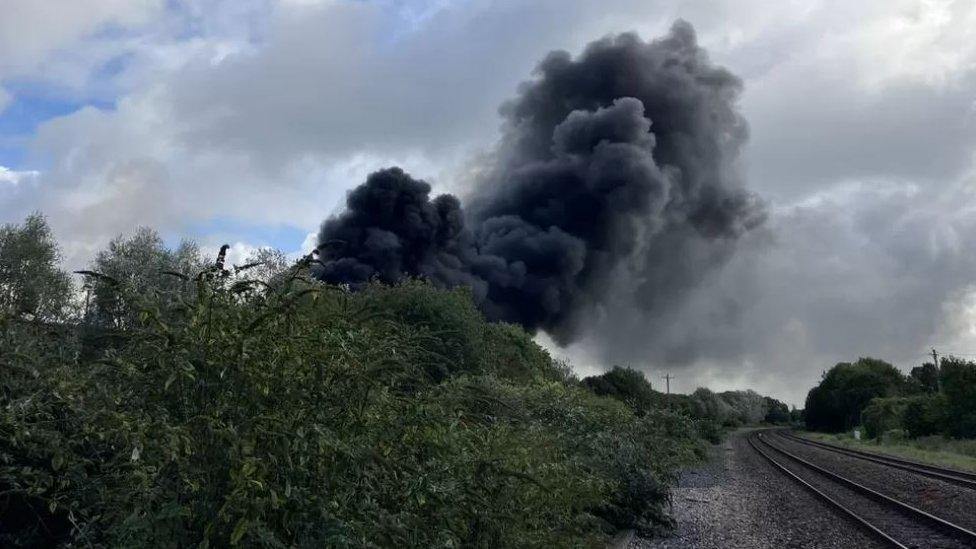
616 178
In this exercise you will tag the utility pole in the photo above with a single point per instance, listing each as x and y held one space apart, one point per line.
938 370
667 378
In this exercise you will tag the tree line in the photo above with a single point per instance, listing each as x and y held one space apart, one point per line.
176 400
872 393
715 412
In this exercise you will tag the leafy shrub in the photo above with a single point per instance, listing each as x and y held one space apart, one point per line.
882 415
454 329
925 415
710 430
628 386
510 353
305 415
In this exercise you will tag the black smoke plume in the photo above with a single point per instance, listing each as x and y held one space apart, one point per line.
617 172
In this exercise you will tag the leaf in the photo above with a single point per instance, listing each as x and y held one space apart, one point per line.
57 462
239 530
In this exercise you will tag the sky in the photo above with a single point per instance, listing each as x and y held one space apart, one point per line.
247 121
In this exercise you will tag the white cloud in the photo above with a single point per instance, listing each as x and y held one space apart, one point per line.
237 253
31 31
14 177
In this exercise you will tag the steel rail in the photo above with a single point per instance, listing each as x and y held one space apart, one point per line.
950 528
861 521
960 478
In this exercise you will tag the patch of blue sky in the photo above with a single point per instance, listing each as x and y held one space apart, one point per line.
32 105
12 154
286 238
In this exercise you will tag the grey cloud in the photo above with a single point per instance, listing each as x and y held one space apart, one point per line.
616 175
867 270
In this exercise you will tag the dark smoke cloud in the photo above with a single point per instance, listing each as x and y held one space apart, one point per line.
617 172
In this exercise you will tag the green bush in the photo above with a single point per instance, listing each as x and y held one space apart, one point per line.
453 329
628 386
510 353
925 415
882 415
309 416
710 430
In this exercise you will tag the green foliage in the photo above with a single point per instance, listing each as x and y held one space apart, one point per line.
628 386
959 386
710 412
777 413
747 407
706 405
31 284
883 414
925 415
227 412
924 378
448 319
797 416
511 354
731 408
837 402
138 270
710 430
267 266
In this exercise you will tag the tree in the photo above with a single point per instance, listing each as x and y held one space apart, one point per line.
925 415
883 414
797 415
748 407
139 267
837 402
776 411
268 264
705 404
627 385
31 283
959 386
924 378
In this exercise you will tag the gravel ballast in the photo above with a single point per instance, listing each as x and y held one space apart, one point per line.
737 499
942 499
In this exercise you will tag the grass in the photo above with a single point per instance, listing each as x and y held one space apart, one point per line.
934 450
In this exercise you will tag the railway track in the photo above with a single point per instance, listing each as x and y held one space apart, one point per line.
895 523
959 478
